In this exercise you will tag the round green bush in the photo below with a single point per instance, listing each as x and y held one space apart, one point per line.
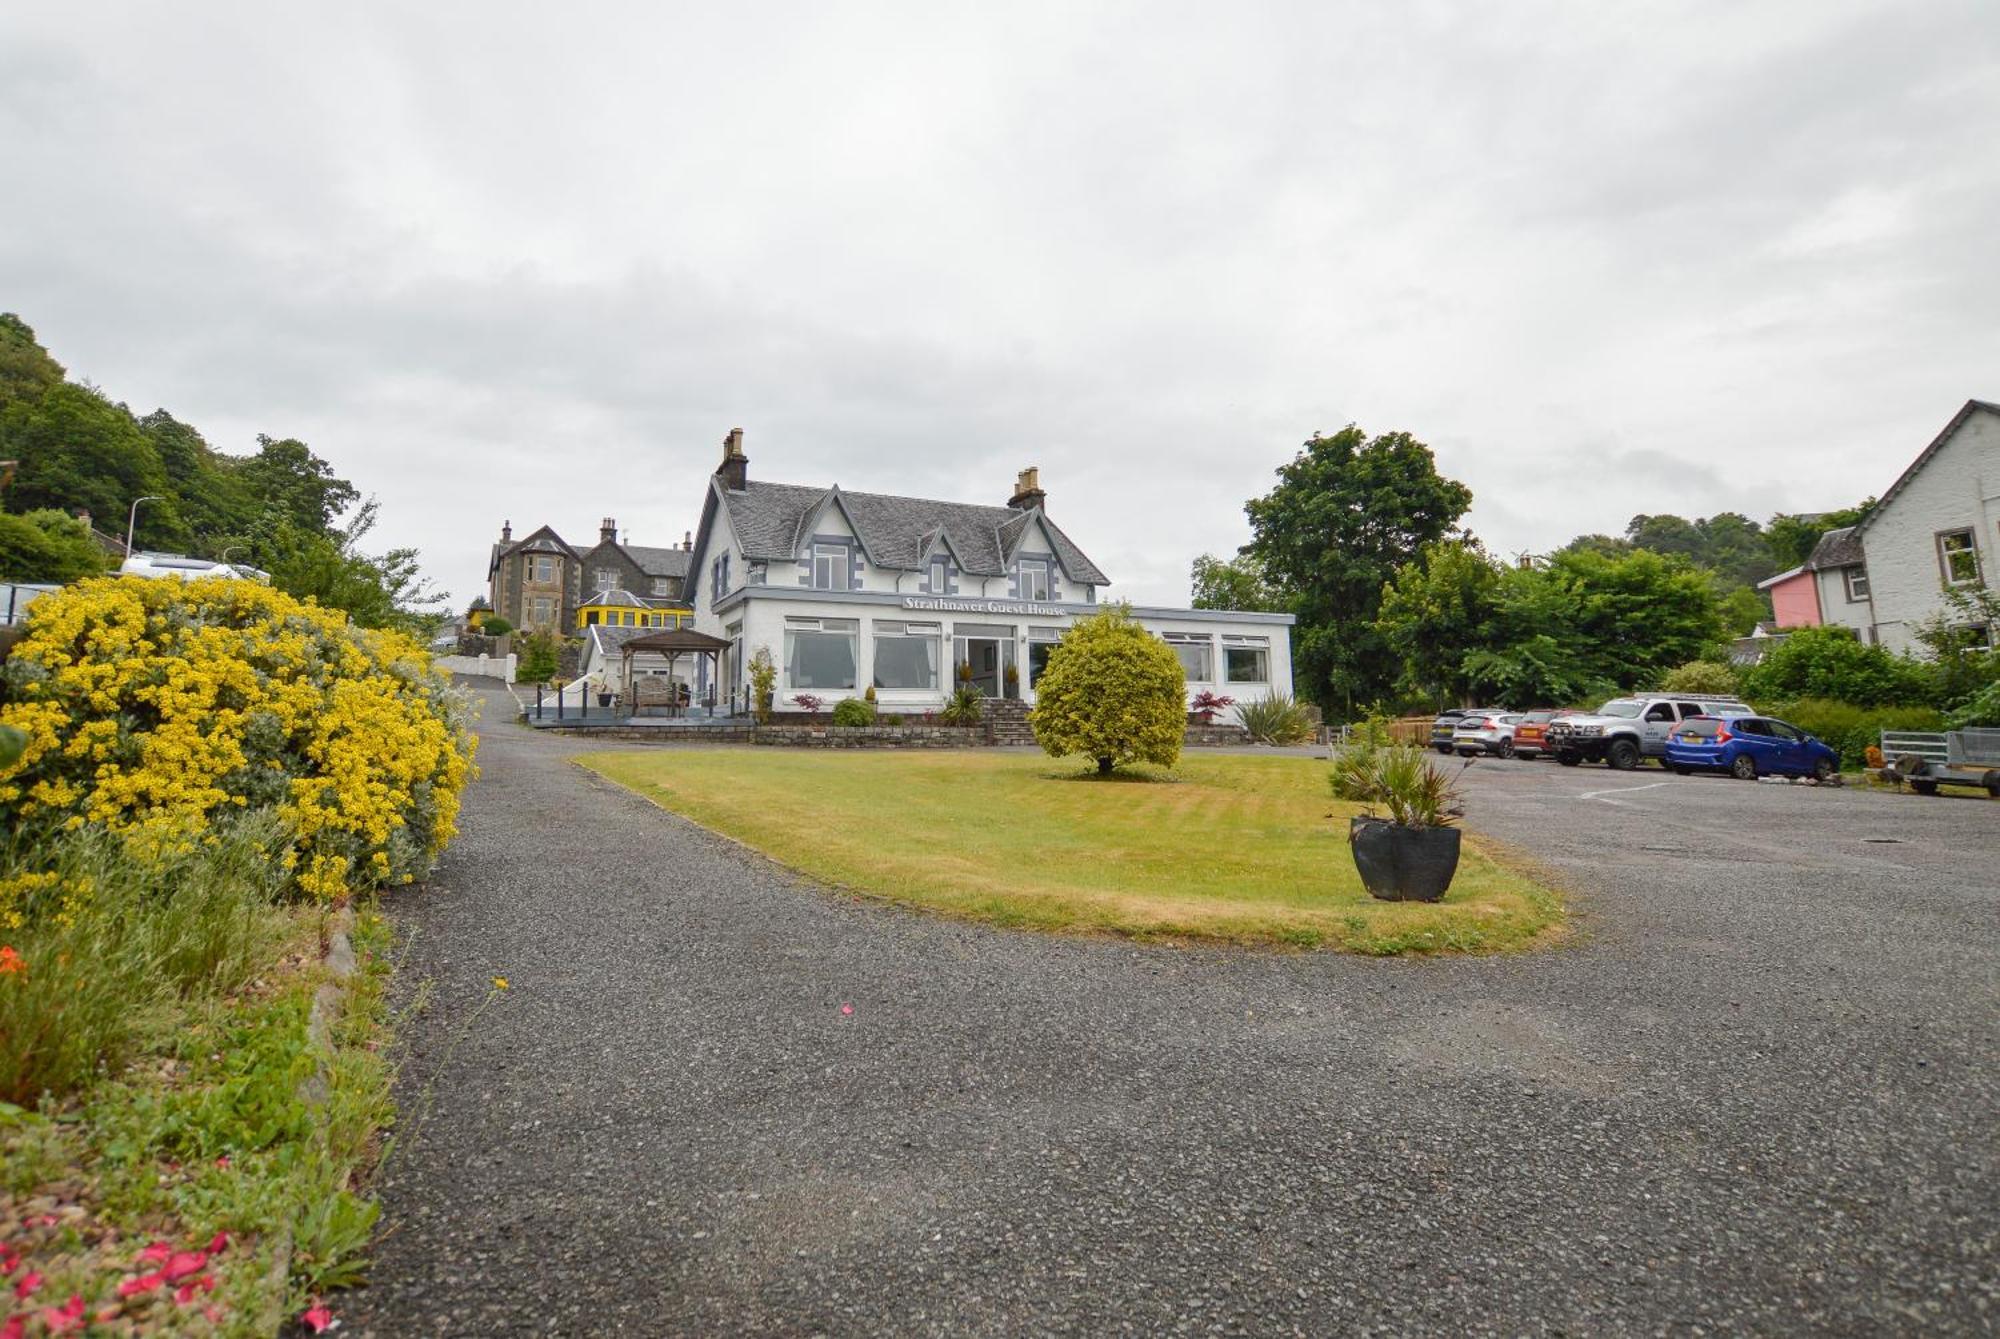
853 711
1113 692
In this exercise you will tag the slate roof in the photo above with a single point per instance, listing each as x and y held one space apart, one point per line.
1836 548
658 562
1923 458
772 522
612 599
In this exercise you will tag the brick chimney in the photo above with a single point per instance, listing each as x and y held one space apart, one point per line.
607 531
687 540
735 468
506 532
1028 489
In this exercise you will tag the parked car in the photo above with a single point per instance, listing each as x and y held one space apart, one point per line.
1531 732
1627 729
1445 728
1748 747
1490 732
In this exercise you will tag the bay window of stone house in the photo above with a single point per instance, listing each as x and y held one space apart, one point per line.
542 568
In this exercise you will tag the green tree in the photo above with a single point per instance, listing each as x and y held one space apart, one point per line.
1633 618
538 658
1233 583
79 450
49 546
1111 691
1348 511
1440 610
1700 676
1791 536
1831 662
1741 608
295 486
26 370
1728 544
377 590
214 502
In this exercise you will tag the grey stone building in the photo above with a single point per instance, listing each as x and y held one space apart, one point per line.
540 582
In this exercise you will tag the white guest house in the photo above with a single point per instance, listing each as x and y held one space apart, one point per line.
853 590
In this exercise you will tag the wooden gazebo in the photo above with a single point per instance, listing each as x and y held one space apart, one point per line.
672 643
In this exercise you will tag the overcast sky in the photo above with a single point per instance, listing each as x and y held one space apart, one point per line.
532 262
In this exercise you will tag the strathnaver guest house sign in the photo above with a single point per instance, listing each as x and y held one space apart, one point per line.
938 605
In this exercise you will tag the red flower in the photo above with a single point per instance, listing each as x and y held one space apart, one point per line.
16 1326
67 1317
11 963
317 1318
184 1294
141 1285
218 1243
28 1284
156 1254
184 1264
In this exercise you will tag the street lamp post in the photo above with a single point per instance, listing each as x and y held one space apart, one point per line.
132 519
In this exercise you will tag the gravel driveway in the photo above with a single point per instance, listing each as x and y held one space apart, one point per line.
1756 1094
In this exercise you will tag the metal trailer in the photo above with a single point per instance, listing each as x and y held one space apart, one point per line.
1959 758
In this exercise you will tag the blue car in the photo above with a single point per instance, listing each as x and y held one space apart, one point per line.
1748 747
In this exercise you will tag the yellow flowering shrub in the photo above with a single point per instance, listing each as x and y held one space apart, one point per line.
161 709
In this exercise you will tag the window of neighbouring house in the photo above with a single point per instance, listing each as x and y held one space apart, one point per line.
663 585
819 652
1197 655
1958 557
589 617
718 578
1246 659
1857 583
542 609
907 655
542 568
830 568
604 579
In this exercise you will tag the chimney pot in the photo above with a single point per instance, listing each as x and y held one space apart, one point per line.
687 540
607 531
506 531
1028 489
735 468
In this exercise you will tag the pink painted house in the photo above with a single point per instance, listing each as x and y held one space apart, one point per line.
1794 598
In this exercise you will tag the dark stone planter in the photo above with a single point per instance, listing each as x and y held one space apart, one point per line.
1400 864
604 699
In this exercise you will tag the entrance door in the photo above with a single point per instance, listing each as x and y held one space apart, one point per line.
984 656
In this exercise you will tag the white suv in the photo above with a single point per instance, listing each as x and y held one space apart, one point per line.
1627 729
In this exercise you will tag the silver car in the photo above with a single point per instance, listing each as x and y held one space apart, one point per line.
1489 732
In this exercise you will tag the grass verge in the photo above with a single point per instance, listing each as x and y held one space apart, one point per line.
183 1177
1243 849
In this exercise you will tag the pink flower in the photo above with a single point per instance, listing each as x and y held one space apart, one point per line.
28 1284
218 1243
213 1313
184 1294
156 1254
185 1263
222 1161
67 1317
317 1318
16 1326
146 1284
846 1009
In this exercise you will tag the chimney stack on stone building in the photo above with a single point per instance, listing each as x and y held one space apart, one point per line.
607 531
506 532
1028 489
735 468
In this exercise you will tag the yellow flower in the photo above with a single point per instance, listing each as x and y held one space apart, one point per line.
499 983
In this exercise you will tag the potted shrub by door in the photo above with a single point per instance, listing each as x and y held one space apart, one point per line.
1206 703
1411 855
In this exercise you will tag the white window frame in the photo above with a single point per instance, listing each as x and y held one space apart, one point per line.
839 565
1855 579
1202 641
848 627
541 568
1261 646
883 630
1038 574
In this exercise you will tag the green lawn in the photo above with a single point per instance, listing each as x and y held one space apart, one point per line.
1246 849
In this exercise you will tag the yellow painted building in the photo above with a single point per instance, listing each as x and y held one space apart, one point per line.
622 609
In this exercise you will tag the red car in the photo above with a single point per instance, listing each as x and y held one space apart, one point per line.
1531 732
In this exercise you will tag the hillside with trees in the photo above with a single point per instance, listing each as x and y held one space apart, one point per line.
280 509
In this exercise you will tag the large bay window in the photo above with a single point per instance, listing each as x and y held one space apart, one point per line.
1246 659
819 652
1196 652
907 655
541 569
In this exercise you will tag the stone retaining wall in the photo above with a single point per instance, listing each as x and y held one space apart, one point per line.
871 736
1214 736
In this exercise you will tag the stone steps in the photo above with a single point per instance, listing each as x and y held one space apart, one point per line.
1007 721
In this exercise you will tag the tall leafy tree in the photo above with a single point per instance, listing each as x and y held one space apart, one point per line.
1791 537
26 370
1233 583
78 450
47 545
296 486
1348 511
1635 617
1728 543
1439 610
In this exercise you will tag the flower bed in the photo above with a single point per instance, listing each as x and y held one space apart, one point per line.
155 708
